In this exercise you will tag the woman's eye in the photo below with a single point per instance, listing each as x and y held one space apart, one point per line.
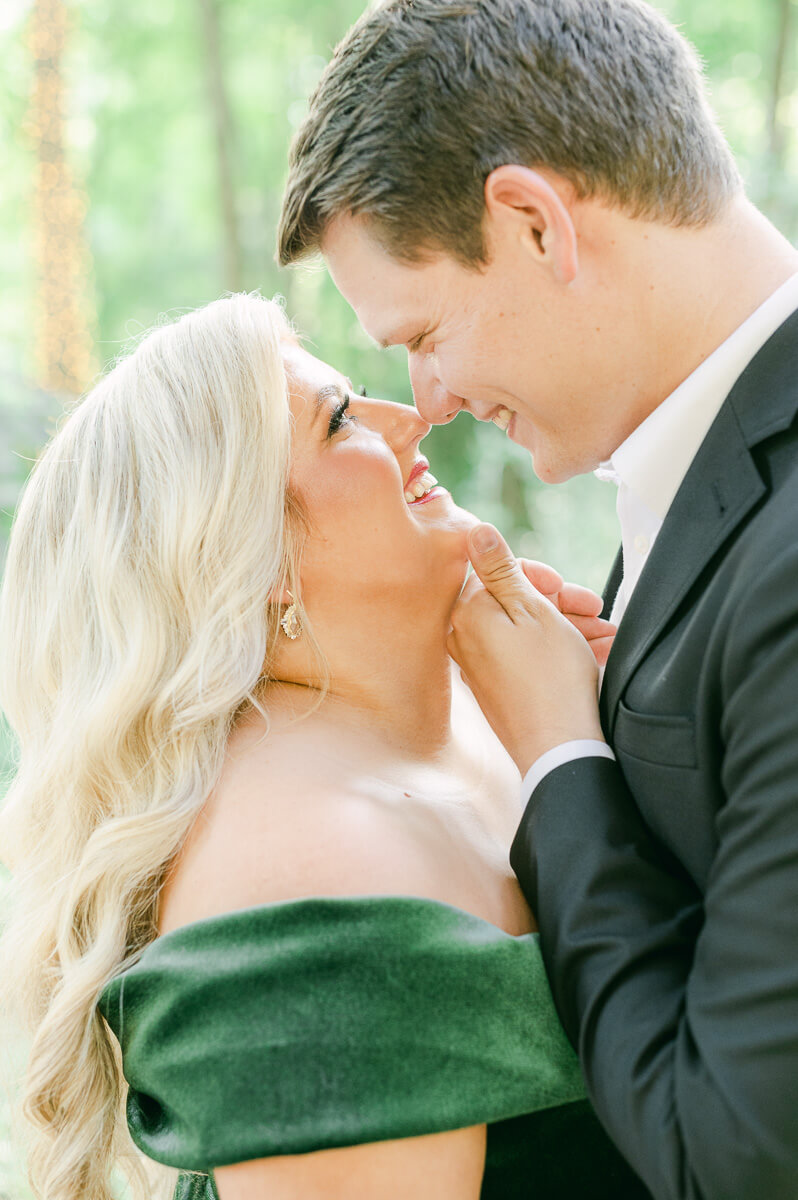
339 417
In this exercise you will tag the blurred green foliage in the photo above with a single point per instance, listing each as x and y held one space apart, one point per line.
140 137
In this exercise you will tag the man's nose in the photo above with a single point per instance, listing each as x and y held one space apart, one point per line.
435 403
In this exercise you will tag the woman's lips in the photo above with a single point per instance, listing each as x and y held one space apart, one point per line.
431 495
421 466
419 486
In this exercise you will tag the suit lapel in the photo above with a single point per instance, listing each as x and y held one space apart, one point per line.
614 581
720 488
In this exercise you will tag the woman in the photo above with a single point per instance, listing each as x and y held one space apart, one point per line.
259 829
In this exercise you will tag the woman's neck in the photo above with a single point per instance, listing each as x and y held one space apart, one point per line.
392 685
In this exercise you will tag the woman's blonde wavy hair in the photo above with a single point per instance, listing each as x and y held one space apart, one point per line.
135 627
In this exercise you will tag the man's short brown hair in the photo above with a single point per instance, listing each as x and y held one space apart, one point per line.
424 98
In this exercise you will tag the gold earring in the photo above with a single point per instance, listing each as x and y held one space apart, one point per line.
292 626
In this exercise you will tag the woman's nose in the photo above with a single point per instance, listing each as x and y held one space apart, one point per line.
399 424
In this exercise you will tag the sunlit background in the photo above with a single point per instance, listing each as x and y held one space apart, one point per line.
142 158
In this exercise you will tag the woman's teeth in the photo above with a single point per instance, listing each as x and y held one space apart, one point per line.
419 487
502 419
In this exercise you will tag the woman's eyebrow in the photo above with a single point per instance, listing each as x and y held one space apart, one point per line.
329 391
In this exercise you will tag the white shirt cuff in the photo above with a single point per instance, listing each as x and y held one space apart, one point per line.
566 752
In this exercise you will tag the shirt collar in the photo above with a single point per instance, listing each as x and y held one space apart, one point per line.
656 456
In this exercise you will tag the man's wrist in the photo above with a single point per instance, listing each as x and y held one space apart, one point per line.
534 748
556 756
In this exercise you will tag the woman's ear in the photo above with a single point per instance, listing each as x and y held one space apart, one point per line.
522 203
279 596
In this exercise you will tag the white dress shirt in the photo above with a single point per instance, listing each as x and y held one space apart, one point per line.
648 469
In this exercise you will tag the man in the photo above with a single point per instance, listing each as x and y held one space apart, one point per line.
533 197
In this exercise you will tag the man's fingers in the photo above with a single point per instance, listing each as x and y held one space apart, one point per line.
591 627
541 576
601 649
568 597
576 599
508 580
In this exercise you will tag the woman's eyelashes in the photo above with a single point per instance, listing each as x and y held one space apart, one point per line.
339 417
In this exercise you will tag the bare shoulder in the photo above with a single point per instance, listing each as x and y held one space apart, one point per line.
277 827
296 814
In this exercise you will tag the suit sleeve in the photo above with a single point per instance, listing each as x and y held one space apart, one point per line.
684 1008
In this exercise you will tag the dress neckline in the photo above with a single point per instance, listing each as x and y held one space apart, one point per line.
389 899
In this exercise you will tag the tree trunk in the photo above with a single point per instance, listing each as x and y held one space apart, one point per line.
63 343
223 125
777 128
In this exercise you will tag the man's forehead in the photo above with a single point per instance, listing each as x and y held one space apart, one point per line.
348 236
356 259
389 297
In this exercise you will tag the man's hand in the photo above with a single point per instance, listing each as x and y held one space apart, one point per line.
529 666
579 604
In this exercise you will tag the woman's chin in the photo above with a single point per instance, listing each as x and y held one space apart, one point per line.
462 520
459 543
449 549
466 520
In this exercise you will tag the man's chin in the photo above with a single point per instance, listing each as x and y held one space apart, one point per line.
522 434
549 467
552 472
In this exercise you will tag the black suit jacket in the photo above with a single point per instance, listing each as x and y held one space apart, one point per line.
666 883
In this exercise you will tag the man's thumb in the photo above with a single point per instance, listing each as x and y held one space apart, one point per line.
482 539
493 560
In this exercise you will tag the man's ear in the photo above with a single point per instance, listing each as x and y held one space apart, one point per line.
521 199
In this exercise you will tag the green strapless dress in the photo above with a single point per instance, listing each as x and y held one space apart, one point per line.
293 1027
